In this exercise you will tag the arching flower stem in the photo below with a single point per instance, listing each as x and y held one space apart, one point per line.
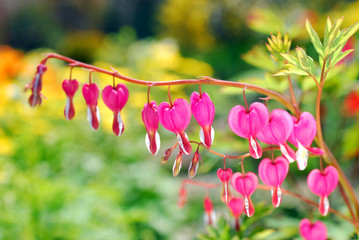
328 156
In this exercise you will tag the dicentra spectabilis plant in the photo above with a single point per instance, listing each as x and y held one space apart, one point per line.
280 136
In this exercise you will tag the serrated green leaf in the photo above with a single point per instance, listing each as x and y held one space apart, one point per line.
297 71
292 60
344 36
331 35
314 38
341 56
328 26
302 59
282 72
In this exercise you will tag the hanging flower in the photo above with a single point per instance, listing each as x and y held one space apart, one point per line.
176 118
225 176
302 136
115 99
278 130
208 208
70 87
91 93
182 197
322 184
236 206
273 173
36 86
203 111
248 123
150 119
313 231
245 184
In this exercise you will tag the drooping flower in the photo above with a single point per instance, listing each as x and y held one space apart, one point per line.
36 86
115 99
203 111
245 184
278 130
273 173
176 118
182 197
302 136
177 164
247 124
322 184
208 208
150 119
236 206
70 87
193 166
91 93
225 176
313 231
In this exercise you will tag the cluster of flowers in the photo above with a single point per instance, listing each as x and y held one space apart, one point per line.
253 123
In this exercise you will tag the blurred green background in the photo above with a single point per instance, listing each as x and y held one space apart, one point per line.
61 180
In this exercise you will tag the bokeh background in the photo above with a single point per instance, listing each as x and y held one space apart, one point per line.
61 180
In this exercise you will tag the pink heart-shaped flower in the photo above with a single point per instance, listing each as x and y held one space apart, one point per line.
150 119
273 174
70 87
322 184
246 185
225 176
312 231
115 98
176 118
247 124
203 111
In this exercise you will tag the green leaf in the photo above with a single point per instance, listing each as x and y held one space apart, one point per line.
314 38
331 36
341 56
290 59
344 36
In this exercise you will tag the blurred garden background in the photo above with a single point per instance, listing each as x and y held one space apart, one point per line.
62 180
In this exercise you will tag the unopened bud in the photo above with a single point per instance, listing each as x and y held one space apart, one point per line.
167 155
177 164
193 167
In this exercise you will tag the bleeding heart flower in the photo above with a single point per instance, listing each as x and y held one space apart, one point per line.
208 208
278 130
303 134
313 231
182 197
176 118
236 206
193 166
203 111
273 173
225 176
322 184
115 99
150 119
36 86
70 87
91 93
247 124
246 185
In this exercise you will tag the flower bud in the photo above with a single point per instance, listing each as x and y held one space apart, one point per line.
177 164
167 155
193 167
